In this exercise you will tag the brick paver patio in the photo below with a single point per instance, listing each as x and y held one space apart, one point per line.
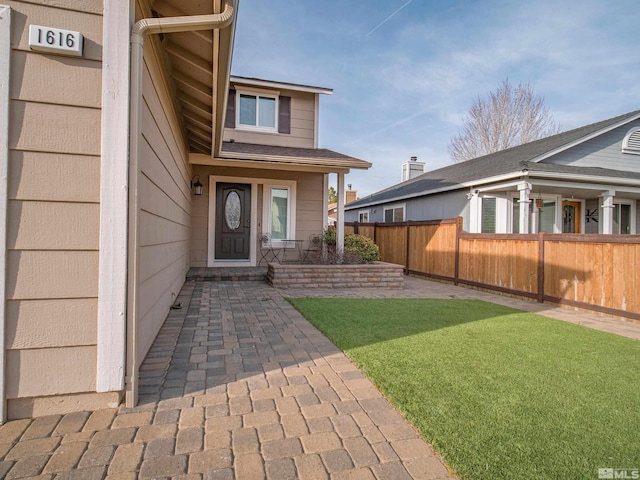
239 385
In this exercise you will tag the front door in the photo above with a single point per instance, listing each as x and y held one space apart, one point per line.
233 221
571 216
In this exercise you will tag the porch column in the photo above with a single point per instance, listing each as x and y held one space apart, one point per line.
607 211
340 220
525 190
325 202
474 211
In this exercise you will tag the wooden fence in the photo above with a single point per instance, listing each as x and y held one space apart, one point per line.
595 272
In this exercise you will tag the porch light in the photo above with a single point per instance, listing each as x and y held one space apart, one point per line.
196 186
539 203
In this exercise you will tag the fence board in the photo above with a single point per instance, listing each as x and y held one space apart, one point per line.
392 241
431 249
589 271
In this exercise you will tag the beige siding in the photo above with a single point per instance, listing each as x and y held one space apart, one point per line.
165 207
309 214
53 226
50 323
34 78
44 127
49 371
34 274
53 212
302 125
38 176
90 25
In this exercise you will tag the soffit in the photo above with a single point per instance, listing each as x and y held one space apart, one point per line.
198 68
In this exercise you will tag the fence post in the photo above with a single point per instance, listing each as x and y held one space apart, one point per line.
407 245
355 227
375 238
541 267
457 254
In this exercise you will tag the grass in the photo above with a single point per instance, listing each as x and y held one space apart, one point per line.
498 392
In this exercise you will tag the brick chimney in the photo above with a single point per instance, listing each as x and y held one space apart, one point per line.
350 195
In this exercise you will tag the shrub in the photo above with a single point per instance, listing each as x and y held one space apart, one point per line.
362 246
329 236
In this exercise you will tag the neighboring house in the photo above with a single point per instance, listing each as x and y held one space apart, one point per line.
332 212
102 154
585 180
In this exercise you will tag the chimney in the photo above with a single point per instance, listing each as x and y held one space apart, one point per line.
412 169
350 195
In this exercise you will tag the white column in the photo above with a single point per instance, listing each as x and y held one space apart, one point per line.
5 57
114 172
525 206
340 221
325 201
606 219
474 211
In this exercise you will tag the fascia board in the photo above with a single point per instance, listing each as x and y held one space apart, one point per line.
581 180
288 86
586 138
297 160
202 159
457 186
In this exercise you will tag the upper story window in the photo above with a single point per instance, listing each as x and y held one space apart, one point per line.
257 111
631 142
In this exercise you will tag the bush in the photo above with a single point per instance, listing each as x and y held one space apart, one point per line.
329 236
362 246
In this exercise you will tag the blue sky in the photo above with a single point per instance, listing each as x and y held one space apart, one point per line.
404 73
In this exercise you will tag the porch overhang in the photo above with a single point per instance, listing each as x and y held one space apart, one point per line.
241 155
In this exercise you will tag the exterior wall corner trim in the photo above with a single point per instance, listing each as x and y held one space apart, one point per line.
5 58
112 283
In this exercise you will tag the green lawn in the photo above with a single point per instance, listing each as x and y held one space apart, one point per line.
499 393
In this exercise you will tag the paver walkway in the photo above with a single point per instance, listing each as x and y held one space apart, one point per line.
239 385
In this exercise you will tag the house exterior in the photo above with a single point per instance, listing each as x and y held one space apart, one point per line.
101 148
585 180
332 212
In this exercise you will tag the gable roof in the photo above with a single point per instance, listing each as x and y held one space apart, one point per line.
509 161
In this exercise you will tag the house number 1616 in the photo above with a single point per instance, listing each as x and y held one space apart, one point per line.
55 40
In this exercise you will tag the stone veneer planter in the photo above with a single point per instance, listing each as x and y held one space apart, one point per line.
370 275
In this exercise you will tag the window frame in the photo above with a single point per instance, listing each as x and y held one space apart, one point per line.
267 197
257 95
495 212
361 213
394 207
632 214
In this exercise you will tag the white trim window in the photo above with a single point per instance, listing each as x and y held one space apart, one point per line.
624 215
393 214
279 207
257 111
363 216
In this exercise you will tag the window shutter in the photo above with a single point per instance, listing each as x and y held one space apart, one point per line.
230 119
284 115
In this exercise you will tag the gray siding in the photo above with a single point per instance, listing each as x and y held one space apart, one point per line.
592 205
604 151
433 207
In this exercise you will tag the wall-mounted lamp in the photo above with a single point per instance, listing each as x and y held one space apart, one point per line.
196 186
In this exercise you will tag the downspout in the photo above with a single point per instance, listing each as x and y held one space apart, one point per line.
142 28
